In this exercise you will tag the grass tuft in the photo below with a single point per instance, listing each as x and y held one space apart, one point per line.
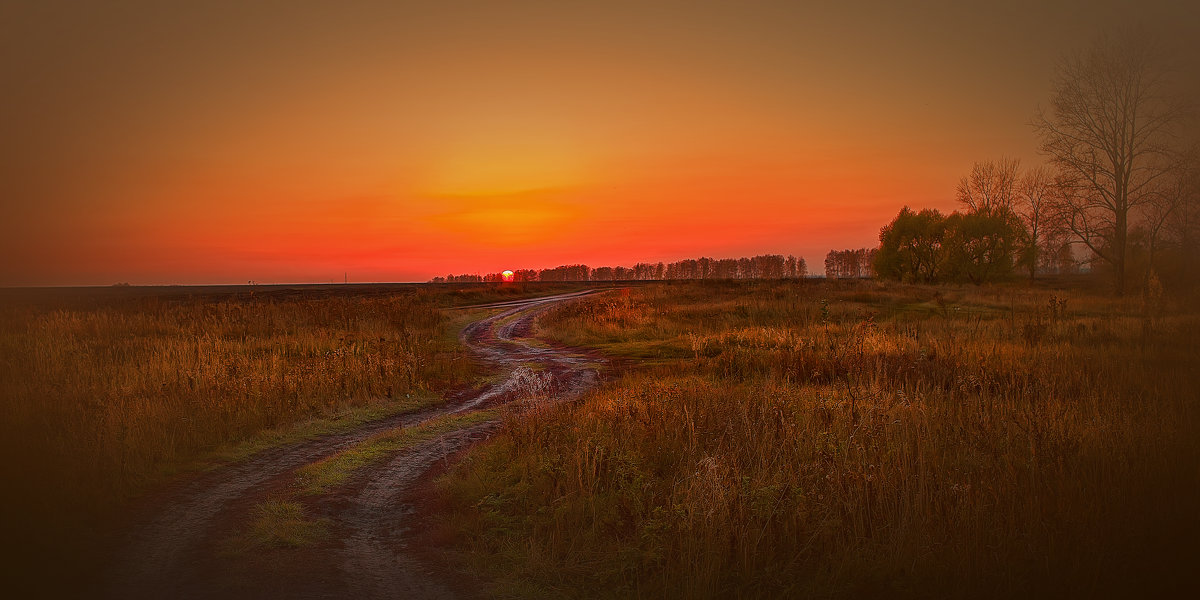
279 524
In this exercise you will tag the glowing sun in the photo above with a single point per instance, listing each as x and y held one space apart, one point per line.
507 276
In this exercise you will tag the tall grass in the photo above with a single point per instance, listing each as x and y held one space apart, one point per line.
101 398
791 440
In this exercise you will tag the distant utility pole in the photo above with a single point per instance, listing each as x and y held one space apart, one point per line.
346 277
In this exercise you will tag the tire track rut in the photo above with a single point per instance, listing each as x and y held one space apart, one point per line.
166 555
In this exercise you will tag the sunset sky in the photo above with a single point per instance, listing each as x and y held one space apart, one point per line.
222 142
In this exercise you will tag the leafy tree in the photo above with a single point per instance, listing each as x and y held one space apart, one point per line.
927 247
910 247
980 245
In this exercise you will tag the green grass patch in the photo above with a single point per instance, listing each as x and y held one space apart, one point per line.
279 524
315 428
323 475
457 320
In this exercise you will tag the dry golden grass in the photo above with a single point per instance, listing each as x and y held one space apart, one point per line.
851 439
103 398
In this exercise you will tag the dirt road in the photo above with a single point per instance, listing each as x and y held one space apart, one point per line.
182 549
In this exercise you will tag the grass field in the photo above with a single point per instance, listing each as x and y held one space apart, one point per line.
108 392
109 396
838 439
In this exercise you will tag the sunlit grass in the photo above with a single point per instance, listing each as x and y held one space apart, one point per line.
793 440
104 399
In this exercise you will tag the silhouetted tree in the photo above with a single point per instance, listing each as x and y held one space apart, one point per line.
1034 198
910 247
850 264
980 245
977 246
1163 241
1183 225
1109 131
991 186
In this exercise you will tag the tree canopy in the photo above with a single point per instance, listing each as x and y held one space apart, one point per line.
929 247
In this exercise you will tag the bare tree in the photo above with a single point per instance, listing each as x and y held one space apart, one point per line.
991 186
1168 198
1034 199
1170 216
1183 224
1110 130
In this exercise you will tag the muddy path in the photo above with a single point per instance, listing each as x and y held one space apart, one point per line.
180 548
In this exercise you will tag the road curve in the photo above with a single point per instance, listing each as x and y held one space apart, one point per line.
174 552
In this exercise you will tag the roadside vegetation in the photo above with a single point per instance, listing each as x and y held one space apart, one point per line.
321 476
108 392
109 396
278 524
796 439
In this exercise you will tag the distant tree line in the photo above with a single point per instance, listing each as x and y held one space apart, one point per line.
765 266
850 264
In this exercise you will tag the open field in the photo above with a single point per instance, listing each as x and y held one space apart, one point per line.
327 516
840 439
109 395
756 439
110 392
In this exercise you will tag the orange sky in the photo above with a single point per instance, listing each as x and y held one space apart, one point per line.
148 142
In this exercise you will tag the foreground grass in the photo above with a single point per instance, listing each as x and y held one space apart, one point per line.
793 440
108 396
104 394
284 522
279 524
